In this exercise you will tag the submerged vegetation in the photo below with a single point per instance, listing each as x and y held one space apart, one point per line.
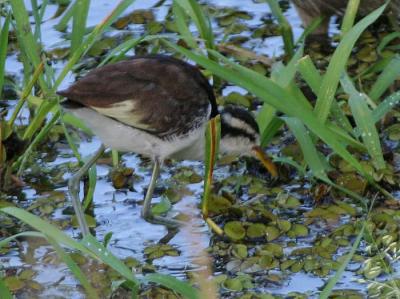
331 120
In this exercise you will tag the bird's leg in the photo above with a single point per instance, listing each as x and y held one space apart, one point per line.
74 187
146 211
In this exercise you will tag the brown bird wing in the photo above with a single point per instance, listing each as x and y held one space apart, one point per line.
157 93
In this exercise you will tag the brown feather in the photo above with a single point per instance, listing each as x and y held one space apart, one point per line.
169 96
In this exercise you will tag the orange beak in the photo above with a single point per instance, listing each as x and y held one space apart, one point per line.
267 162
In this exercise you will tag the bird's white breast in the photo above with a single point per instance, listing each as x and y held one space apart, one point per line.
124 138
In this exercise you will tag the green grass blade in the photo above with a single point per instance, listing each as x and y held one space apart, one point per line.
37 121
108 258
183 28
73 267
307 31
365 124
386 40
67 15
81 10
3 50
5 241
4 291
193 9
38 138
283 75
270 130
385 106
349 16
38 13
186 290
286 29
213 136
313 78
45 228
336 278
390 73
310 73
118 52
311 155
342 135
337 64
26 40
92 187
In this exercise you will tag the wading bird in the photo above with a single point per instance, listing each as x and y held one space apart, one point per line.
156 106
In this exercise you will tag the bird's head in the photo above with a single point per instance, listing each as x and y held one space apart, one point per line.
240 135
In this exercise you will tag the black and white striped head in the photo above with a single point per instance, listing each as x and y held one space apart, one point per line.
240 136
239 131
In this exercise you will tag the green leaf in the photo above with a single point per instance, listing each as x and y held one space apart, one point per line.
90 291
108 258
385 106
81 10
213 136
4 292
3 50
365 123
311 155
390 73
28 44
193 9
338 62
287 33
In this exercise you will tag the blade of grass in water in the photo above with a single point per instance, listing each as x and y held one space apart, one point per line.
118 52
193 9
45 228
3 50
337 64
283 75
349 16
81 10
311 155
68 14
309 73
385 106
365 124
313 78
26 40
389 74
25 93
73 267
20 163
286 29
4 291
38 13
182 25
213 135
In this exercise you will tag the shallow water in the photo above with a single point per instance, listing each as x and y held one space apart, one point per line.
119 211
